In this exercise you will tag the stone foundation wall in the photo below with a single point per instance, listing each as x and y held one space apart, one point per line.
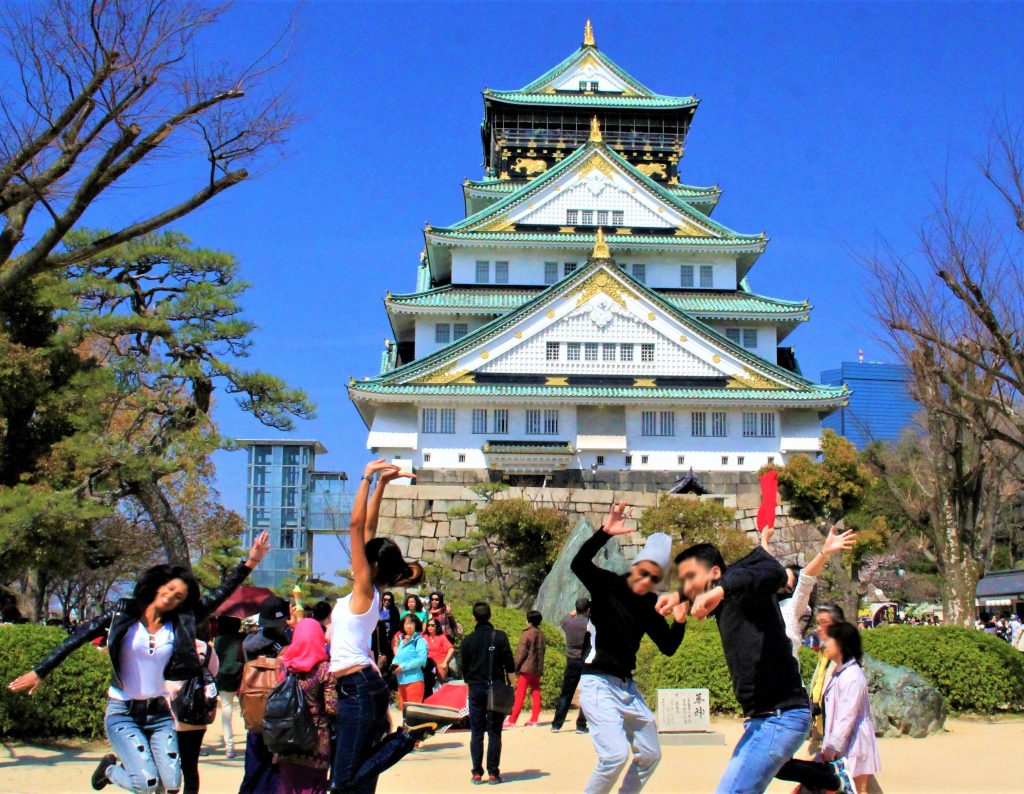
418 516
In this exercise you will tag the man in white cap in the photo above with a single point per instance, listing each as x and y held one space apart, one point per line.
622 611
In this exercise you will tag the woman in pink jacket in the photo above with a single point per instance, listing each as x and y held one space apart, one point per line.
849 729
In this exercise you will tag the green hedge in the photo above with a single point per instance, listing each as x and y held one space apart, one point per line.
974 671
69 702
512 622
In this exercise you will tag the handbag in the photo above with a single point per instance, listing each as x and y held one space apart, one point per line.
501 696
196 701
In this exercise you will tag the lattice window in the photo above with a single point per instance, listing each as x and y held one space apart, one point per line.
718 424
429 420
551 422
551 351
479 420
698 423
501 272
750 338
725 460
686 276
707 276
617 217
602 217
680 460
640 273
759 425
647 352
600 460
583 85
587 217
733 334
608 351
459 330
590 351
533 422
550 272
649 423
749 424
500 424
593 85
483 272
667 423
426 457
447 420
570 267
767 425
572 351
626 352
442 333
572 217
740 460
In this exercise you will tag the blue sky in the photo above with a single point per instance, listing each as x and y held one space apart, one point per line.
826 125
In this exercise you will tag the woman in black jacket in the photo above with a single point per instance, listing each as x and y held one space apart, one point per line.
151 639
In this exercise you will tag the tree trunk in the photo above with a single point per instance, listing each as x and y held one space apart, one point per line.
959 589
168 527
32 599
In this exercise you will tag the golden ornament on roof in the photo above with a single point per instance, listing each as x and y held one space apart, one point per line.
600 246
588 35
595 131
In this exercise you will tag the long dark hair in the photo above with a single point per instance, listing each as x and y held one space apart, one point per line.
392 568
848 637
154 578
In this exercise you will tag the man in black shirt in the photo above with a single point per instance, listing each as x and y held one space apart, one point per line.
486 659
622 611
577 646
759 655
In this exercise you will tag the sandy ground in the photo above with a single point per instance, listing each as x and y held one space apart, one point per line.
971 756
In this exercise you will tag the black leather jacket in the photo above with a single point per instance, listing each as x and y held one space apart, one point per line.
184 661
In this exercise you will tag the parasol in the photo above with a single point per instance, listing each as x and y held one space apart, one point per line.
244 602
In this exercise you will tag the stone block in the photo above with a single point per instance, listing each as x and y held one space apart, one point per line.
444 529
415 548
403 543
401 492
407 527
642 500
387 508
458 528
600 497
461 563
430 545
403 508
428 529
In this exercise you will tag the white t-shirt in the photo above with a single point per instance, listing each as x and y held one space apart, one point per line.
351 634
143 659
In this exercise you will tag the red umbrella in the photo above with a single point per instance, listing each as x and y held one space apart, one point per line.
454 695
242 603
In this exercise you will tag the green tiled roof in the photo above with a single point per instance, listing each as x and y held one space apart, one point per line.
822 393
701 303
593 100
687 192
745 242
530 188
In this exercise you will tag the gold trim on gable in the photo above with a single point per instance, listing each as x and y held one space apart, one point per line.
556 381
596 162
445 375
751 380
598 282
644 383
497 225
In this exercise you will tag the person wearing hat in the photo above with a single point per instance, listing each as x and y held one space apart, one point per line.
273 634
622 611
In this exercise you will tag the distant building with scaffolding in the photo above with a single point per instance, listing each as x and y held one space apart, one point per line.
287 497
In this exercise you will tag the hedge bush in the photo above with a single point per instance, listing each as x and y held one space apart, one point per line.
69 703
512 622
974 671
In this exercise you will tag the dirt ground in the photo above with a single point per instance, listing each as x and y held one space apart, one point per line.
971 756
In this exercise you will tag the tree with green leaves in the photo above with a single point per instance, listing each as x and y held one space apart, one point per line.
690 521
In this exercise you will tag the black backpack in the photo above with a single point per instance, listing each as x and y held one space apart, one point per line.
288 726
196 702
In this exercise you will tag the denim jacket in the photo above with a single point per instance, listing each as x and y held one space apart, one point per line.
184 661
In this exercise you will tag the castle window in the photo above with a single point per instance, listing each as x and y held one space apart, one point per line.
733 335
725 460
644 459
629 460
442 333
462 457
501 272
447 420
680 460
570 267
500 423
739 460
459 330
618 217
758 425
429 420
583 85
658 423
718 424
588 217
640 273
593 85
707 280
600 460
602 217
572 217
771 458
590 351
426 457
750 338
625 352
551 351
572 351
483 272
551 422
608 351
686 275
479 421
532 422
698 423
550 272
647 352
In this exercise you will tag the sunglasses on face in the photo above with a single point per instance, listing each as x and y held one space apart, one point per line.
643 573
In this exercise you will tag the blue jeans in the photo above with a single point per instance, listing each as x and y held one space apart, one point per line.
142 735
482 721
363 748
767 744
623 731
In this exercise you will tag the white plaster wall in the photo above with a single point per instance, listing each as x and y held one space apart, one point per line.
425 329
767 338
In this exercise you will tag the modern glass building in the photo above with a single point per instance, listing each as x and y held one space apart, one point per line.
880 406
289 498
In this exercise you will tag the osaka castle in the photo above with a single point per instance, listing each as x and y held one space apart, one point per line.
588 319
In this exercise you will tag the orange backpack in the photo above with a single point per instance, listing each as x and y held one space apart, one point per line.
259 678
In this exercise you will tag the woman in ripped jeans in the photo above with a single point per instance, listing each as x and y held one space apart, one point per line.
151 639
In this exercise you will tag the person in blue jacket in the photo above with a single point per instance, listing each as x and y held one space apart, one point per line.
410 659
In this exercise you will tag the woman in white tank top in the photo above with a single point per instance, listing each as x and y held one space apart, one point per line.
363 696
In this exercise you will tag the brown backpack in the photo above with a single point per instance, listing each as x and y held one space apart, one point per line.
259 677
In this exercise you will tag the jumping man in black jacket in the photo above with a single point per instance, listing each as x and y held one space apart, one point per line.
765 676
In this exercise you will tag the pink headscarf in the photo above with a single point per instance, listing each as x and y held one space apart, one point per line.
308 647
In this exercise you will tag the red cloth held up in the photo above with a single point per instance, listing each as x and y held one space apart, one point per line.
769 500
